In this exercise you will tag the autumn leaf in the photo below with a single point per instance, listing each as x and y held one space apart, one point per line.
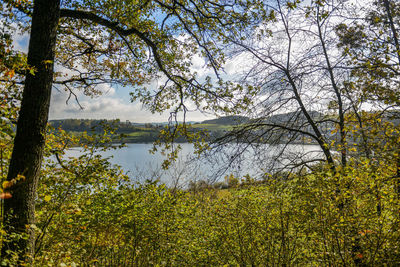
5 195
10 73
7 184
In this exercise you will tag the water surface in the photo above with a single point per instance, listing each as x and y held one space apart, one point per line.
140 165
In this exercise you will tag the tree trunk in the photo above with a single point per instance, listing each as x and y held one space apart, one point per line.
19 210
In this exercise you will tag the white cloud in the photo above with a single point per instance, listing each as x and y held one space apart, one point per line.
20 40
110 104
107 107
239 64
106 89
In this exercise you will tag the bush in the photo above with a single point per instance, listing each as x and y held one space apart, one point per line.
322 218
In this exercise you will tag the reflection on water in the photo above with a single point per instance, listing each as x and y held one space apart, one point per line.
140 165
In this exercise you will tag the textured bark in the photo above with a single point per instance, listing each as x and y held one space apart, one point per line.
19 210
392 28
342 131
320 138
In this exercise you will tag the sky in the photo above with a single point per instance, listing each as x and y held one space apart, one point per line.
114 103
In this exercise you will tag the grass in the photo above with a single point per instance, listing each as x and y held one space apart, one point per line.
212 127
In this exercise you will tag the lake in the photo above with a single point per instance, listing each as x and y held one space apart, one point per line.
238 159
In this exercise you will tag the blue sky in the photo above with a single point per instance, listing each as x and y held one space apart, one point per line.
114 103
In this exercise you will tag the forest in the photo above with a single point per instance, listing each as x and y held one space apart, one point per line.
131 132
274 73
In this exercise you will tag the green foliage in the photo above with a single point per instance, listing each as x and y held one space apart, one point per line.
143 133
89 212
322 218
374 52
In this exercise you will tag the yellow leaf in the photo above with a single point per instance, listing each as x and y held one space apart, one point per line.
47 198
10 73
7 184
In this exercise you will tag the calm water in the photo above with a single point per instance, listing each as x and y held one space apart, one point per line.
140 165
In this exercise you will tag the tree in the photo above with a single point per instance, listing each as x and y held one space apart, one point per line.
372 44
304 74
295 62
320 67
130 43
26 158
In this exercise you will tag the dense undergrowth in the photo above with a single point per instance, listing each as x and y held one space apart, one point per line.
318 219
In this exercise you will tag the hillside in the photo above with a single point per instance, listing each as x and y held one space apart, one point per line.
227 120
149 132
